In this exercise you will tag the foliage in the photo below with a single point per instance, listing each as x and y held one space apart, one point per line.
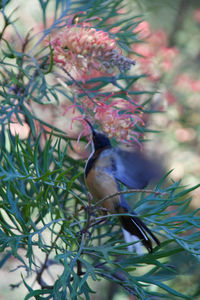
41 211
47 221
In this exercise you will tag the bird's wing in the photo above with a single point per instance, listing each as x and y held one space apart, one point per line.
133 169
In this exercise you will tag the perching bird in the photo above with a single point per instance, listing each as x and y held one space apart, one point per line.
105 169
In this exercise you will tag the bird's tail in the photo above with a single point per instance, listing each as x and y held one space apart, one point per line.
136 227
135 245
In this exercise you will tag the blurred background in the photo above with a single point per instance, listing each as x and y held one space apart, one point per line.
173 60
170 55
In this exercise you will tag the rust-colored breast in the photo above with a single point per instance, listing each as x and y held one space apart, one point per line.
102 184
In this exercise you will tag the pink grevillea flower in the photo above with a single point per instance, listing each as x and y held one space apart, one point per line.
170 97
21 129
80 49
118 120
156 57
196 15
185 82
143 30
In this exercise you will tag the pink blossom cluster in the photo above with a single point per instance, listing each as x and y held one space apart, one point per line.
156 57
81 49
86 52
186 82
161 63
118 119
196 15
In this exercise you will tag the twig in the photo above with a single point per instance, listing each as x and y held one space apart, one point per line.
45 266
120 280
88 212
39 278
179 21
79 85
149 191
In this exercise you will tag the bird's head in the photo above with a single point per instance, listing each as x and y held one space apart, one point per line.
100 140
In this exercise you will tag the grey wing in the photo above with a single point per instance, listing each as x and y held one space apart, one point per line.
133 169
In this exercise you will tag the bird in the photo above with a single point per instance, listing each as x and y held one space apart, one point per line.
106 168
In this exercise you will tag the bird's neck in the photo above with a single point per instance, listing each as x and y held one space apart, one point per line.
93 157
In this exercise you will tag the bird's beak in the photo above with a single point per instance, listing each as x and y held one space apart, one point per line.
91 127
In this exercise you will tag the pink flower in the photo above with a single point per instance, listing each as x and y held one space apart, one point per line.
196 15
81 49
143 29
169 55
117 124
171 99
16 128
184 134
156 58
158 39
144 50
185 82
195 85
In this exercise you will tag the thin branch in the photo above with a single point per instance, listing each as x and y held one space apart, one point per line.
119 279
179 20
39 274
79 85
88 215
148 191
45 266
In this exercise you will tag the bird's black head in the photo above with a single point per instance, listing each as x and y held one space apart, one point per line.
100 140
